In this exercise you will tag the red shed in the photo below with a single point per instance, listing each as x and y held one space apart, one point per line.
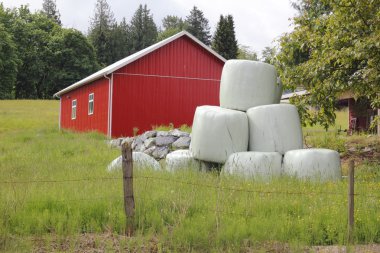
159 85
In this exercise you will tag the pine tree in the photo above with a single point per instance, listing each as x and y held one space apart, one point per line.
198 26
100 32
49 7
143 30
224 41
120 40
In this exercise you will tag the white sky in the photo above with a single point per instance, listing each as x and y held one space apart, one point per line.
257 22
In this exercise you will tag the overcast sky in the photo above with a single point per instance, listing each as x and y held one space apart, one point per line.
257 22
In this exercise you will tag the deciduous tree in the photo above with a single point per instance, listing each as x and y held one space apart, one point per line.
268 55
72 58
171 25
335 47
246 53
32 33
8 63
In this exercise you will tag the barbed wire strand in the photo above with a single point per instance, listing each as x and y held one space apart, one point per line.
188 183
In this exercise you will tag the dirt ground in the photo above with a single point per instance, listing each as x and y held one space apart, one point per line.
99 243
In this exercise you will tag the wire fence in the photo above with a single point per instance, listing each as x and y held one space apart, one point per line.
216 206
183 182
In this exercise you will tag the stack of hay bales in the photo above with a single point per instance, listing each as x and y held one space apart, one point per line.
251 133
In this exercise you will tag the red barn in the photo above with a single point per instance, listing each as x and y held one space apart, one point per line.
159 85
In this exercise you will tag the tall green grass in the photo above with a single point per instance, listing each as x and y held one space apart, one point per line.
41 194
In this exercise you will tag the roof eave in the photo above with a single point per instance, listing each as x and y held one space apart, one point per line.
129 59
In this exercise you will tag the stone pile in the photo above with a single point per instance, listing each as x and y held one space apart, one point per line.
154 144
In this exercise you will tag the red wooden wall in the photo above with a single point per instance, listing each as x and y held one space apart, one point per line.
164 87
98 121
360 115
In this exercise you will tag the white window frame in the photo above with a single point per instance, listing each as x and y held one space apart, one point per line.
91 100
74 109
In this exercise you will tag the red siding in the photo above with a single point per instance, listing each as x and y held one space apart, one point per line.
165 87
360 115
98 121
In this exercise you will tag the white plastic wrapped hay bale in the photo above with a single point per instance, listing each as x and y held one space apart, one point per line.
258 165
245 84
314 164
217 133
274 128
181 160
140 161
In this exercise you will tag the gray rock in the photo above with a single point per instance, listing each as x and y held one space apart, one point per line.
160 152
150 142
150 134
178 133
142 148
138 142
150 150
162 133
124 140
165 140
182 143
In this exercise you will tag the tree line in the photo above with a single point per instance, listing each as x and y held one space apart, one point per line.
333 48
39 57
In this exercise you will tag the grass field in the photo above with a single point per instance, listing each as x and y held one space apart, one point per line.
54 188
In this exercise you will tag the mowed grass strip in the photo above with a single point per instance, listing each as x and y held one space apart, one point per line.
55 183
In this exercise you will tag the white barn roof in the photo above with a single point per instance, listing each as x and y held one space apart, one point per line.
294 94
133 57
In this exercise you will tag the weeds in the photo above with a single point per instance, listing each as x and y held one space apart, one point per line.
183 211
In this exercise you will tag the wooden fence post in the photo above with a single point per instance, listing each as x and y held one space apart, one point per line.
351 174
129 202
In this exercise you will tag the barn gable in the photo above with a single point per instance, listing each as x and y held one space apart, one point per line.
161 84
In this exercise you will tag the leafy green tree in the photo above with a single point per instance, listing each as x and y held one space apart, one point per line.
72 58
143 30
100 32
246 53
8 54
197 25
268 55
8 63
173 22
172 25
49 7
32 33
224 41
334 48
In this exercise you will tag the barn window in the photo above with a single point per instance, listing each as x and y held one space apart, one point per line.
74 109
91 104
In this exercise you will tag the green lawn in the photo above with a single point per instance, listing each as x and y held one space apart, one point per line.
54 184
